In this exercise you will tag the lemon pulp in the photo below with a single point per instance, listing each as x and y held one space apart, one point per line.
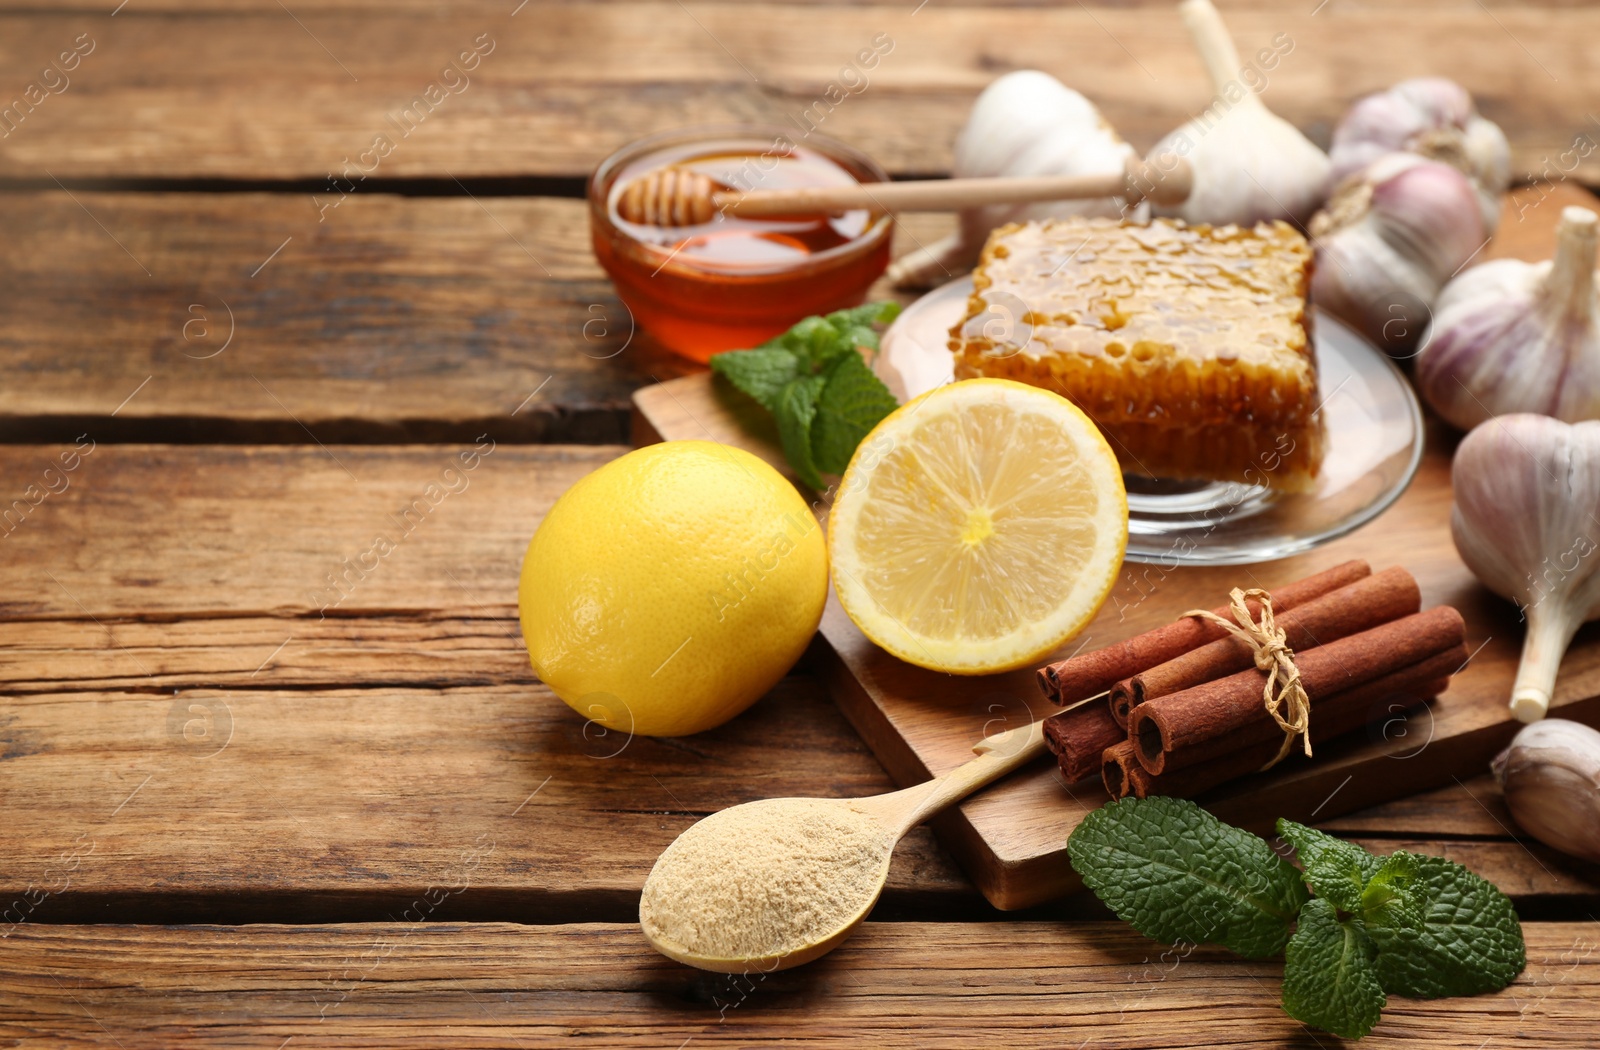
985 531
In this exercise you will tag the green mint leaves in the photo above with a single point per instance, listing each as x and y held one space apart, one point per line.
1335 869
1330 979
817 386
1176 873
1456 935
1405 924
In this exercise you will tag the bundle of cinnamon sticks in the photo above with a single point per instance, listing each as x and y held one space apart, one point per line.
1179 710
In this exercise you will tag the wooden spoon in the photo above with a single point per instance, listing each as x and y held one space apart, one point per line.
893 814
679 197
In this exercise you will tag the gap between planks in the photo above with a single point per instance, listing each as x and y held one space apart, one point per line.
892 984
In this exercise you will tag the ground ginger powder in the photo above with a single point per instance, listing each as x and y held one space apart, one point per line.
765 879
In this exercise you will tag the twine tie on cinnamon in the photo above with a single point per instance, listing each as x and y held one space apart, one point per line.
1283 696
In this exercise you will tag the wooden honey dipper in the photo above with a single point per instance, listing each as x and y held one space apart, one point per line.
679 197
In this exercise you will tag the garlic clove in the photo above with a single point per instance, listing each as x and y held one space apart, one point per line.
1526 488
1434 118
1388 239
1490 156
1510 336
1551 779
1025 123
1250 165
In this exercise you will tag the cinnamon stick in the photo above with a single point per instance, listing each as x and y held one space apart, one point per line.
1348 717
1079 736
1356 607
1090 674
1122 774
1207 720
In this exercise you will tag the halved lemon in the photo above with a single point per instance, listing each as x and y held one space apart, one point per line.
978 527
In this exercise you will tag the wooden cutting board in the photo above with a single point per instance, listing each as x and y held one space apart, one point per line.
1012 838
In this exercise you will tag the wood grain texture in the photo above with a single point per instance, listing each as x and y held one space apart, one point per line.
272 763
244 317
1473 808
359 802
1009 839
396 319
952 985
178 700
256 95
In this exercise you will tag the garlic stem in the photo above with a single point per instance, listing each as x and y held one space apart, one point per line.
1550 629
1216 48
1571 283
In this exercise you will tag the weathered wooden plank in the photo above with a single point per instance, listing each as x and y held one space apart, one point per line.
1471 808
396 319
367 748
185 708
244 317
186 533
326 803
265 95
892 985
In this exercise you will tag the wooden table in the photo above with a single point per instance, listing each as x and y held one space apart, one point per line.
245 806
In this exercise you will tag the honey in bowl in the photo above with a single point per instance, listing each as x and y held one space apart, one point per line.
732 282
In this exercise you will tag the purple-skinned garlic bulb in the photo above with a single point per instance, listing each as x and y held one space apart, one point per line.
1526 488
1434 118
1388 240
1510 336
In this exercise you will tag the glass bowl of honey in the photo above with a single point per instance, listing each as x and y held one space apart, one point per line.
734 282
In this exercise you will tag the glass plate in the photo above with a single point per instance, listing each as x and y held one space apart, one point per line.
1374 443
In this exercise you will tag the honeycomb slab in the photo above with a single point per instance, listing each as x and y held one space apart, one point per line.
1188 345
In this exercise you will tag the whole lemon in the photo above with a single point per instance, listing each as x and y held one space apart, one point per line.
667 591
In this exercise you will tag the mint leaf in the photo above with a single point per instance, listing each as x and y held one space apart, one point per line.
820 392
1176 873
1337 870
760 373
856 324
1390 897
865 316
1441 929
1329 976
795 409
853 401
815 341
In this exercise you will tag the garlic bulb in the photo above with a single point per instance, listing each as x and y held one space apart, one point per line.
1528 530
1551 778
1511 336
1432 117
1025 123
1388 240
1249 164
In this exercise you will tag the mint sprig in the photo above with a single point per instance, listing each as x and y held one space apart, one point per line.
1330 979
1405 924
1176 873
817 386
